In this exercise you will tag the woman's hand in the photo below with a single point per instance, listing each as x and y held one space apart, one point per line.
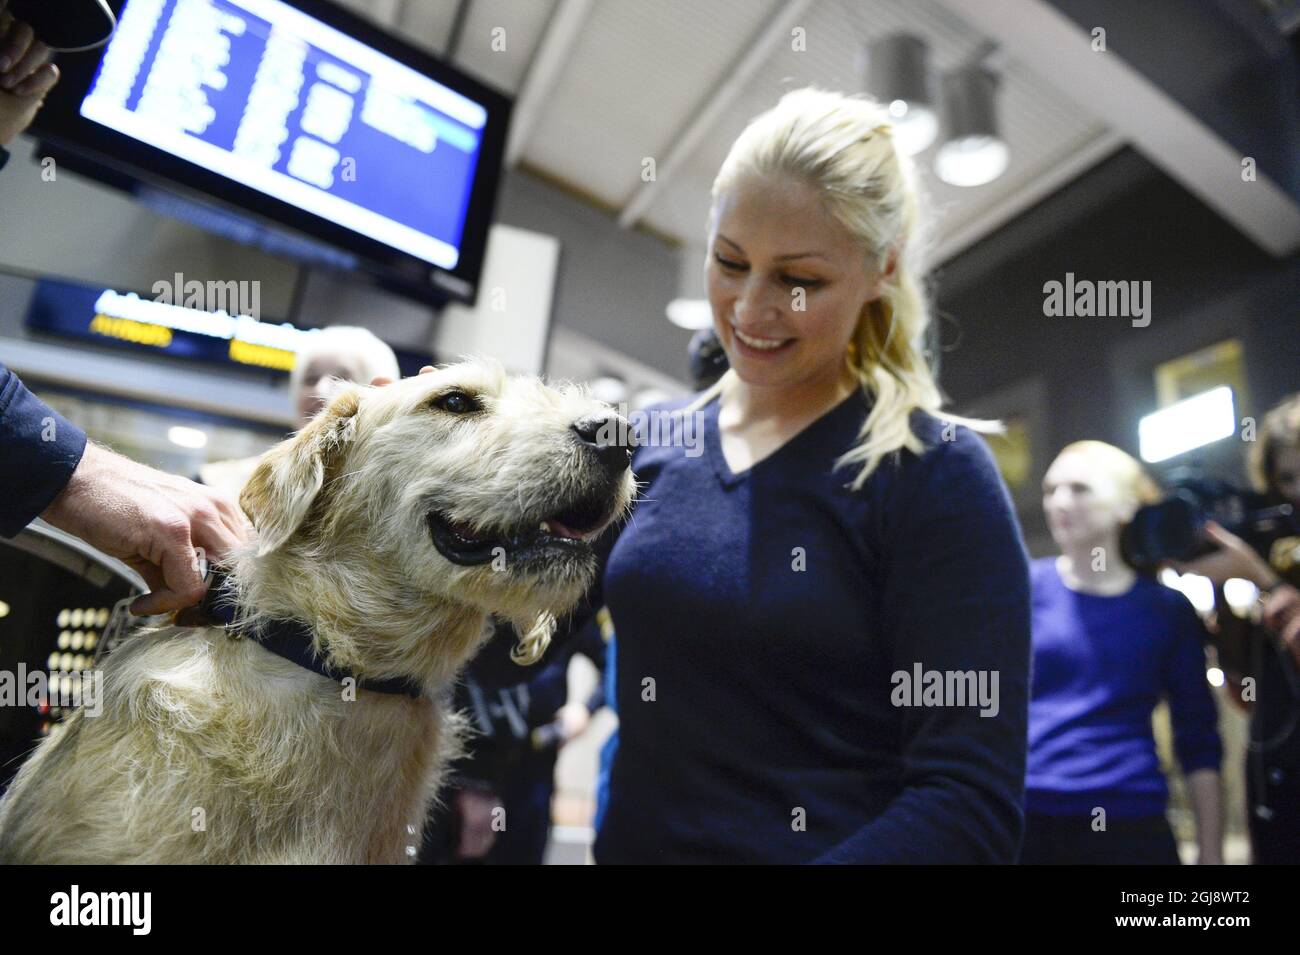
573 719
1234 558
476 810
1282 616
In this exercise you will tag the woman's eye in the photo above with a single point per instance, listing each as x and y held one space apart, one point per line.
457 402
802 283
727 263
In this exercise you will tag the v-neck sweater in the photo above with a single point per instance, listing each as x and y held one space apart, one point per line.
764 622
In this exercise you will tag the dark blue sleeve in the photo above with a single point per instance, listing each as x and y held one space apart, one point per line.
1192 712
955 598
39 450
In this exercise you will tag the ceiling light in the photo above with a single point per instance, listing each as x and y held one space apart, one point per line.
1191 423
973 153
898 74
690 313
187 437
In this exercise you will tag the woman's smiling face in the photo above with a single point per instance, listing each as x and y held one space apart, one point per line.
769 238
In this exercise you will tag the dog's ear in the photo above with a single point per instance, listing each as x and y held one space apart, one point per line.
280 492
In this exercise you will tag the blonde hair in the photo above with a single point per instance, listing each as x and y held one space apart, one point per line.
377 359
1129 474
842 146
1280 429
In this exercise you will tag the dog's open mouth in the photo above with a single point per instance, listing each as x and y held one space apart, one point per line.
568 531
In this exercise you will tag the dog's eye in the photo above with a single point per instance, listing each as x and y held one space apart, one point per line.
457 402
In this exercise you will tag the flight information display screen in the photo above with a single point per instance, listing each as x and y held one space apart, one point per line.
276 100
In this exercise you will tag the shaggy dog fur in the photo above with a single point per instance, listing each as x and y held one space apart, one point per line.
392 524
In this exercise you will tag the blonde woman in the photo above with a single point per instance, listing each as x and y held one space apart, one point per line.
1109 644
790 588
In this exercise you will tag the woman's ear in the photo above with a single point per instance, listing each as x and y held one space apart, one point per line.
1128 506
281 490
891 263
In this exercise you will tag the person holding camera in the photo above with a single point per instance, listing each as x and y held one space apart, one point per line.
1108 645
1260 653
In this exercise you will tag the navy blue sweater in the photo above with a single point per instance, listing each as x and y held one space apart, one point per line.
760 620
1101 664
39 450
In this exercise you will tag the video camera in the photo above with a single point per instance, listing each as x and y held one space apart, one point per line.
67 26
1173 529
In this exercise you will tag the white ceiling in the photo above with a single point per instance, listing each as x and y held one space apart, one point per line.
603 84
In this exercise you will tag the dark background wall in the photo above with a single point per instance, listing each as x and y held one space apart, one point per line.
1224 61
1122 220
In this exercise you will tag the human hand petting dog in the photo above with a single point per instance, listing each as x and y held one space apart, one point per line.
158 524
26 75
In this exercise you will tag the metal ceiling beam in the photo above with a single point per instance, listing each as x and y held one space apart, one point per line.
549 59
951 241
386 12
757 53
1175 140
456 31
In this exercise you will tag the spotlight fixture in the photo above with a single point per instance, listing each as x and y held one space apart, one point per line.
610 389
1191 423
690 313
187 437
898 75
973 153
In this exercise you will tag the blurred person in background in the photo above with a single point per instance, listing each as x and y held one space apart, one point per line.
334 357
496 808
330 359
1263 647
1108 645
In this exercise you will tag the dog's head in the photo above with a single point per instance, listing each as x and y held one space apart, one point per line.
464 485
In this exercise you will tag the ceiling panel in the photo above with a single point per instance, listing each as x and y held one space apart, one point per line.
521 23
639 72
634 78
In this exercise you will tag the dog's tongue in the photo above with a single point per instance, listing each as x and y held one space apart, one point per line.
562 530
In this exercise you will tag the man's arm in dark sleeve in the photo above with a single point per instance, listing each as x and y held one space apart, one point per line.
39 450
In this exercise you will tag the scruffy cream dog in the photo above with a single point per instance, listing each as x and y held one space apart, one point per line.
391 525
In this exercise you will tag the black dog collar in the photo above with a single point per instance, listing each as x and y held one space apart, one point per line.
290 639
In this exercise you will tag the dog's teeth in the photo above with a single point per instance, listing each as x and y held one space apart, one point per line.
542 527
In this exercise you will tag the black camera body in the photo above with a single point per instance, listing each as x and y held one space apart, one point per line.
1173 529
67 26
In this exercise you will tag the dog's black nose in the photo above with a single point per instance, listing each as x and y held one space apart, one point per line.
610 436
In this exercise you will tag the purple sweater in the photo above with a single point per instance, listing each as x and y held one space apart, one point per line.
1100 666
